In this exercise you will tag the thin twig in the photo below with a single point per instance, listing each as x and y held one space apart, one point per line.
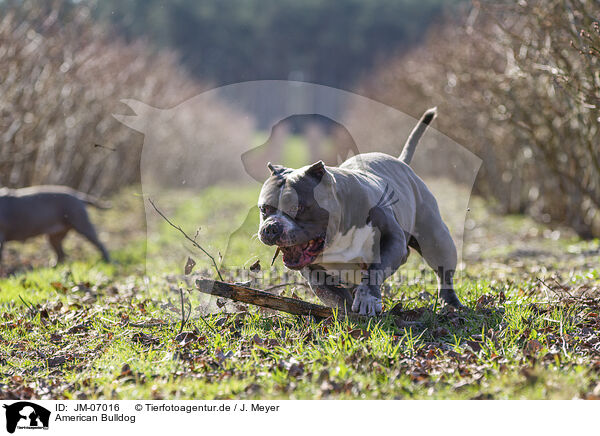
207 324
562 336
183 320
554 290
562 287
193 241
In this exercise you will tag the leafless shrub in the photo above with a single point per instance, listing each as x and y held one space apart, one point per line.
518 84
63 77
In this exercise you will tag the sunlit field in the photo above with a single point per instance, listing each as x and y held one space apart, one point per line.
87 329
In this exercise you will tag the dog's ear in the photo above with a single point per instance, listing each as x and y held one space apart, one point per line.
316 170
276 169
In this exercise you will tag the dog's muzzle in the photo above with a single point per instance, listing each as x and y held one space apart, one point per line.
270 232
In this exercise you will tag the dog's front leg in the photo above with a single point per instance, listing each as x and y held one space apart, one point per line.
326 288
1 246
393 253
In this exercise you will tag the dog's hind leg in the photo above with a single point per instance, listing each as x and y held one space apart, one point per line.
81 224
56 240
439 251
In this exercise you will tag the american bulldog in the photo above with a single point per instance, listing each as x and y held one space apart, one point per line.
348 228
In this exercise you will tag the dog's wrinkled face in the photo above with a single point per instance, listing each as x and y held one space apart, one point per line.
291 217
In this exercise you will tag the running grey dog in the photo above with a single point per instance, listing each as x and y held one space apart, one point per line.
47 210
348 228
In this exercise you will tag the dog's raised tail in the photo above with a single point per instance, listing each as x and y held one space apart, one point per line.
411 143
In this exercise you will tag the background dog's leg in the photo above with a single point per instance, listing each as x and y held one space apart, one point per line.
56 243
82 224
439 251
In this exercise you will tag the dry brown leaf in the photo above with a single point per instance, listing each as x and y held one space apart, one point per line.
189 266
255 267
185 338
533 346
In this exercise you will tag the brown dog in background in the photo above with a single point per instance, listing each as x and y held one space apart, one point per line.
47 210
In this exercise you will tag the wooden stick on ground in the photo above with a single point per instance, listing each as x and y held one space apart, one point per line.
264 299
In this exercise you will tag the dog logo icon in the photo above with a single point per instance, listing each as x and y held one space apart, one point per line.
26 415
334 186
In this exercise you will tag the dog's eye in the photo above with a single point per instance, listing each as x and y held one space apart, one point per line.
267 210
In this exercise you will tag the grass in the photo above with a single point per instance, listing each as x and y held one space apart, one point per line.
87 329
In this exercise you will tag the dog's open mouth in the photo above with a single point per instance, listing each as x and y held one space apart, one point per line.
298 256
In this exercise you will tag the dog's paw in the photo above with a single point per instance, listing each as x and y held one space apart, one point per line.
449 297
365 303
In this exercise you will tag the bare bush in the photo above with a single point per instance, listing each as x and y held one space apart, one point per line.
518 84
63 77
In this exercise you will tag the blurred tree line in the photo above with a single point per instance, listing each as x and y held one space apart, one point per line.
331 42
62 78
519 85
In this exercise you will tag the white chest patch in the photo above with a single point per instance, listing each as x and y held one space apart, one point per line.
356 246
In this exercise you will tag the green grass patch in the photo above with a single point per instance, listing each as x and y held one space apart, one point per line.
87 329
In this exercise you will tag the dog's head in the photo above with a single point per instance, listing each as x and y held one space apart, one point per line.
295 206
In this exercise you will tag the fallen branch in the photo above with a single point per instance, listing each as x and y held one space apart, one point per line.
283 285
270 301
